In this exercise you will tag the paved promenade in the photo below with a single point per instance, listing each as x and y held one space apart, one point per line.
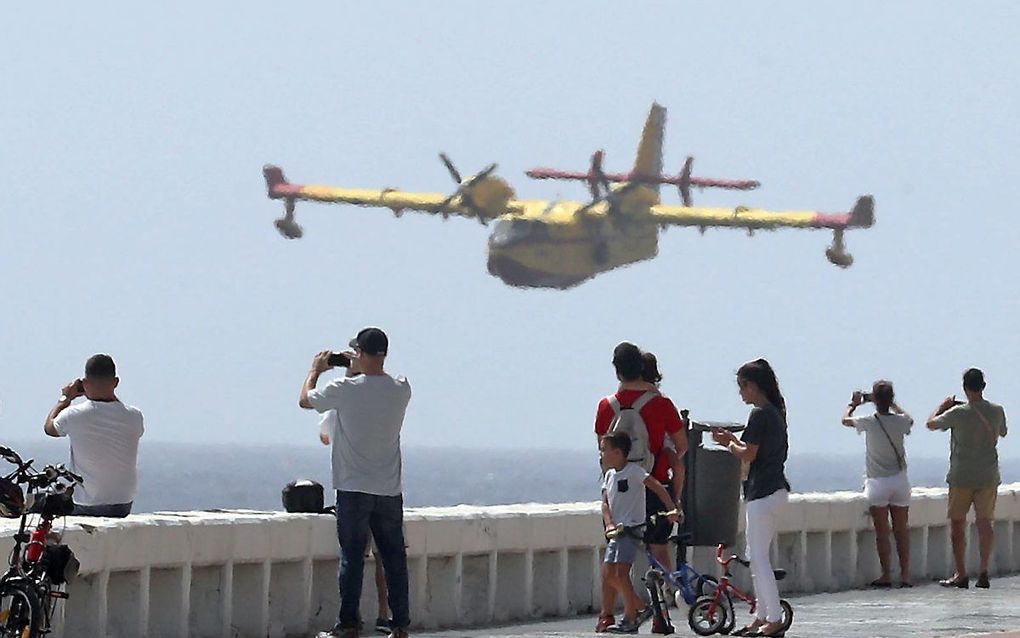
926 610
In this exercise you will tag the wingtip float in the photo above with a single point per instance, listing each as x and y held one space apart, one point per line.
560 244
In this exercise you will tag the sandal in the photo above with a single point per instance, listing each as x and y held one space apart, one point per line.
748 630
878 583
778 632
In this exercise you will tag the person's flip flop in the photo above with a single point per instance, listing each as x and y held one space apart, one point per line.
880 584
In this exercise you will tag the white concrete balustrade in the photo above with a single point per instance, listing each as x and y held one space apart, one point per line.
242 573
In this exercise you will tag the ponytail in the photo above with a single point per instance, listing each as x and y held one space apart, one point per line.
762 375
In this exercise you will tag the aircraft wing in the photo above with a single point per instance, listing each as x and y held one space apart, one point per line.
488 199
862 216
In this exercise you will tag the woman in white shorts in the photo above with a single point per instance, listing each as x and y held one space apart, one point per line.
886 485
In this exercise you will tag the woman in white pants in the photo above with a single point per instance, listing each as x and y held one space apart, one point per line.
764 445
886 487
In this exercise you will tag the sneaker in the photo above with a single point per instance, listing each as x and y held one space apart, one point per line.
644 614
982 581
625 628
604 623
382 625
398 632
339 632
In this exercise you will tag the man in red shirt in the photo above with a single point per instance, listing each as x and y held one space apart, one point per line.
662 420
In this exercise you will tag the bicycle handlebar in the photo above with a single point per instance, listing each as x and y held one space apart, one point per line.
51 474
12 457
733 557
48 476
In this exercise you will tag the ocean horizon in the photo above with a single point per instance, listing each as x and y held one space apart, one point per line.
197 476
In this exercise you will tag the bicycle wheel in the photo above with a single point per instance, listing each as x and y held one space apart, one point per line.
19 611
703 619
654 583
787 614
706 586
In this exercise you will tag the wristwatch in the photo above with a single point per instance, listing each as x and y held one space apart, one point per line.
63 397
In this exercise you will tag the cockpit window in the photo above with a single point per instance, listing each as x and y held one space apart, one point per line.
510 231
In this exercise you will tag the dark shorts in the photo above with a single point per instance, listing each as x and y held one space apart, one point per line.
657 530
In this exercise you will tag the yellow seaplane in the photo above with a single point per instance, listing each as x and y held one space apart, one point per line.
560 244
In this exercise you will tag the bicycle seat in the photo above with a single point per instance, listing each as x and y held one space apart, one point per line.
780 573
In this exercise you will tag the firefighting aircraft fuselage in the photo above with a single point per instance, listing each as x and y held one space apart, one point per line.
560 244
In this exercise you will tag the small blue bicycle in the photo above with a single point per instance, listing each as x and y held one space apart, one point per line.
685 580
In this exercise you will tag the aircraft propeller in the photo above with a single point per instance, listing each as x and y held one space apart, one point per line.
464 189
684 182
597 180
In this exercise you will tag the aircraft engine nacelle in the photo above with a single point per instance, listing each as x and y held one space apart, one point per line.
489 196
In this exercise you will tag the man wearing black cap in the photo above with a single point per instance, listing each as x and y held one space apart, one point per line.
975 428
104 436
366 474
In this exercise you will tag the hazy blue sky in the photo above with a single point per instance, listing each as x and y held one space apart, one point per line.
135 219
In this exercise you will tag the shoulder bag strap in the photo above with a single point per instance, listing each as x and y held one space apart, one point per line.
643 400
988 426
899 457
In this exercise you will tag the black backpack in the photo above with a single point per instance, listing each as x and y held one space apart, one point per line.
304 496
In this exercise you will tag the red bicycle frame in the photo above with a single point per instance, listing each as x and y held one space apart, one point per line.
727 588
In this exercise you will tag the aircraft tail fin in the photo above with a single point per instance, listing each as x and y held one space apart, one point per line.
274 180
649 154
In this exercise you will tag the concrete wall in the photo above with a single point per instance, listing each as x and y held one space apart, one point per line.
242 573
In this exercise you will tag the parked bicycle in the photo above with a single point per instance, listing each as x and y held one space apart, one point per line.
713 613
686 583
40 565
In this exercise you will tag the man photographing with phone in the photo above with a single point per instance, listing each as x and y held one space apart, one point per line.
104 436
366 473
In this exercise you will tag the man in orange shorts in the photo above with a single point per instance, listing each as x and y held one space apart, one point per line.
975 428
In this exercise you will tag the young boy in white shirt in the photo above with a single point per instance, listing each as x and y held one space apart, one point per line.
623 513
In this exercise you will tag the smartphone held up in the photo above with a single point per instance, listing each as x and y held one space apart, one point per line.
339 360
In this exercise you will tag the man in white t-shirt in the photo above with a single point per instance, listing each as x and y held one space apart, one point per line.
366 474
329 427
104 434
886 485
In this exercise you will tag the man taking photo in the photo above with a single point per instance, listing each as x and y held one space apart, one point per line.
104 436
975 429
366 473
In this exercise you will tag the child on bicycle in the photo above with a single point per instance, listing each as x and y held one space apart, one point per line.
623 512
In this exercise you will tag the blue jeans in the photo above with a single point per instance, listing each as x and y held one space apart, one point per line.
118 510
357 515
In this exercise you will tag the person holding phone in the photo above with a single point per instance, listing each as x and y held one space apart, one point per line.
764 445
104 435
886 485
975 429
366 474
329 427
